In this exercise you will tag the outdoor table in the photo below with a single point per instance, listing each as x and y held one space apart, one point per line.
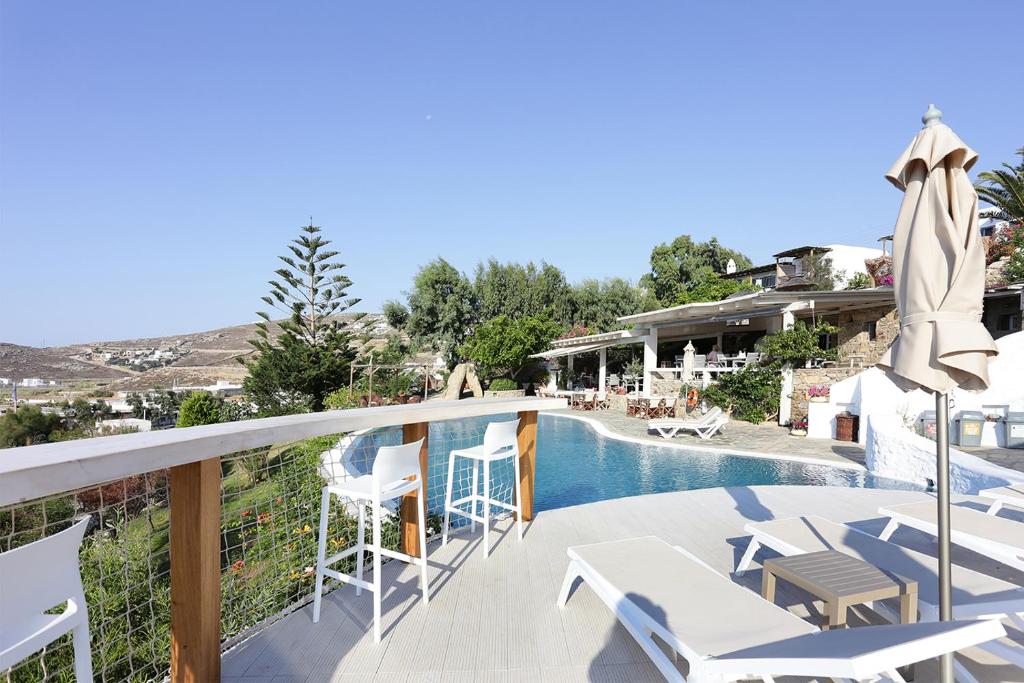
841 582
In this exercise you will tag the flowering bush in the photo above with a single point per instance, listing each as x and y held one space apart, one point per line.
575 331
800 424
818 391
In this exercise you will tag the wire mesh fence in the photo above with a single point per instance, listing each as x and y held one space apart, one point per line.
270 504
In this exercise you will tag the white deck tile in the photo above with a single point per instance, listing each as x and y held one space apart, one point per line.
496 619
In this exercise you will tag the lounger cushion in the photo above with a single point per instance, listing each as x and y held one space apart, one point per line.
998 530
703 609
860 652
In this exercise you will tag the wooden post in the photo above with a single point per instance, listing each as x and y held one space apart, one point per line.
409 508
527 459
195 572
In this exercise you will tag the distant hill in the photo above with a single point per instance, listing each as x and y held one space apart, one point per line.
59 362
189 359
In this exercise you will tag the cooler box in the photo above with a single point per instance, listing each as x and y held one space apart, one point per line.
967 428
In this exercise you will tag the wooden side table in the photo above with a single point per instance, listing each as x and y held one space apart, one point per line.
840 581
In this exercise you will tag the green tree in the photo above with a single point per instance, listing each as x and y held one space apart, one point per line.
199 408
503 345
1014 270
26 426
551 294
677 264
311 355
799 344
597 304
860 281
1004 189
710 287
752 394
519 290
155 406
818 270
396 314
442 308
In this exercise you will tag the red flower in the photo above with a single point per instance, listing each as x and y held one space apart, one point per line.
247 513
238 566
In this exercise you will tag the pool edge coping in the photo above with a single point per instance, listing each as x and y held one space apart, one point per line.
606 431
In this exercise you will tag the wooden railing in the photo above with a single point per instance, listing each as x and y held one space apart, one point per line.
192 456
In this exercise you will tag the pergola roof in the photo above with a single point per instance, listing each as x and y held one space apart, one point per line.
583 348
757 304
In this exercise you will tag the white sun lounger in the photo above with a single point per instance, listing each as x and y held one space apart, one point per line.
705 427
1004 496
975 595
996 537
726 632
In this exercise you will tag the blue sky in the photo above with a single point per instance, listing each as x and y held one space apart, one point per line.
156 157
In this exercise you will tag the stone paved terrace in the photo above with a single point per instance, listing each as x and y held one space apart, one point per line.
774 440
496 619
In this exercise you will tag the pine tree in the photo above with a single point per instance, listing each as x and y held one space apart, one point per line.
310 355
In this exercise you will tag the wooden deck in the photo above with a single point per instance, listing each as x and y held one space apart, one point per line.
496 619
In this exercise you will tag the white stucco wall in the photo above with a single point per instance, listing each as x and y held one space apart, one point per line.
896 452
872 393
850 259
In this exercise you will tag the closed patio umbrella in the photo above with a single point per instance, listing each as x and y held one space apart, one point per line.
939 278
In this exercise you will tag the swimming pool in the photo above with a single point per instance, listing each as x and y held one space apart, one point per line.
575 465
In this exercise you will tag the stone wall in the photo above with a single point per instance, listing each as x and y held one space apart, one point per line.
805 378
665 387
855 343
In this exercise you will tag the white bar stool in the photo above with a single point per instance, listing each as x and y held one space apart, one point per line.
500 443
36 577
395 472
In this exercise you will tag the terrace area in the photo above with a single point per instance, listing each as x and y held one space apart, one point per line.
198 562
497 619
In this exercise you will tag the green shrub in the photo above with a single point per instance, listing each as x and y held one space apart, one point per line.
340 399
752 394
199 408
799 344
502 384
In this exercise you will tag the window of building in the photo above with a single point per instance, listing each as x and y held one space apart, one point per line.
1008 322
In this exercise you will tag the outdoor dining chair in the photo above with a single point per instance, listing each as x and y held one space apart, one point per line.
395 472
36 578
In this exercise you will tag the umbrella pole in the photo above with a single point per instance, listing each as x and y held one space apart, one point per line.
942 488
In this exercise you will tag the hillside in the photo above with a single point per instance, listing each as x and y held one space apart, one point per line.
191 359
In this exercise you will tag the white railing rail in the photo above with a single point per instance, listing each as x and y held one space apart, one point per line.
32 472
192 458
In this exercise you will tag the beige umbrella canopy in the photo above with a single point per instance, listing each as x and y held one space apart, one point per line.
938 266
939 276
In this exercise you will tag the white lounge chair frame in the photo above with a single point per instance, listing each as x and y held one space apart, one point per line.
972 529
1005 602
802 650
1004 496
705 427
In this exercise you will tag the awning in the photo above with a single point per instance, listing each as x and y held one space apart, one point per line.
573 350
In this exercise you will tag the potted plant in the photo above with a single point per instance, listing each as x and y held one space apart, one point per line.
798 427
818 393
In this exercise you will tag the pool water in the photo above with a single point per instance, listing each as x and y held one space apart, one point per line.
575 464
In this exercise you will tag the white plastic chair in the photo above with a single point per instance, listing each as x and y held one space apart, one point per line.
396 472
33 579
500 443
